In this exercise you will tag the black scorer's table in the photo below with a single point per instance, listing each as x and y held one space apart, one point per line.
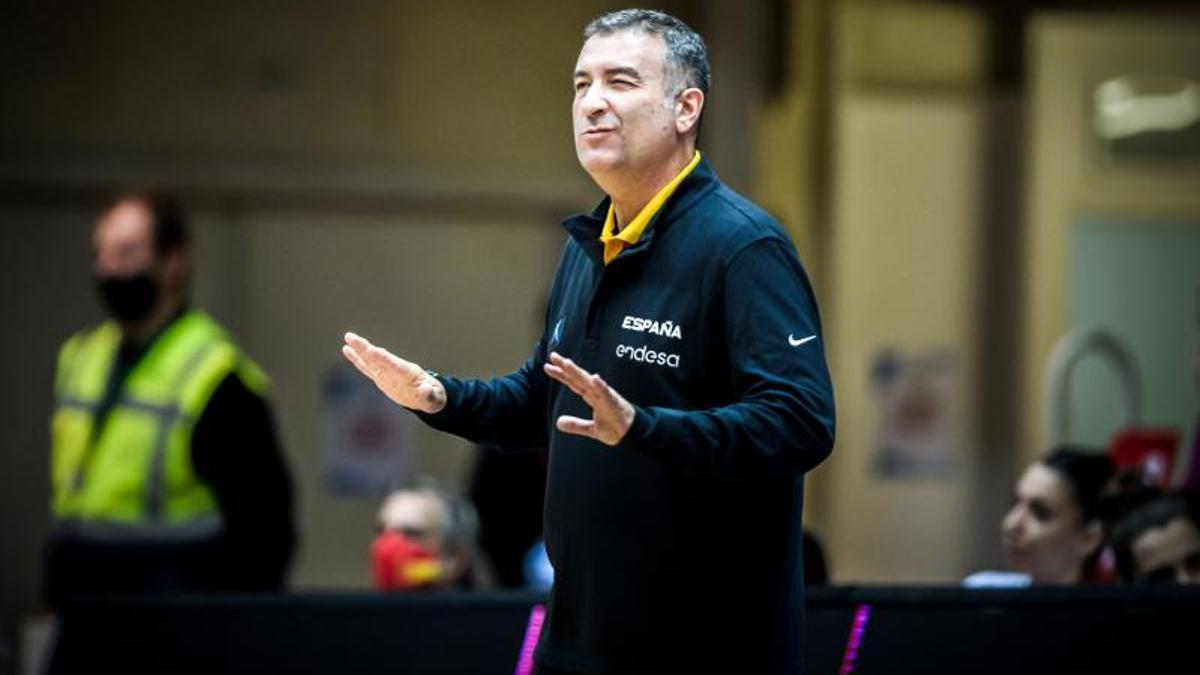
906 630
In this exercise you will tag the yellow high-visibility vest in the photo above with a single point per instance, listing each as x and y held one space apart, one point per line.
132 479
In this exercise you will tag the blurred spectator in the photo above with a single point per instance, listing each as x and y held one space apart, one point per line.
1054 530
1127 490
1159 542
426 540
508 490
165 468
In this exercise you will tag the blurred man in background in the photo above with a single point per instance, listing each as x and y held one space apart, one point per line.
1159 542
426 540
166 472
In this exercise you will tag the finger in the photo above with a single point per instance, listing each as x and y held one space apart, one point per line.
595 394
555 373
561 376
571 368
605 392
353 357
597 399
368 354
558 375
357 342
575 425
573 375
590 387
378 359
599 392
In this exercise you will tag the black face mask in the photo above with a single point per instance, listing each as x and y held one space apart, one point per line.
128 299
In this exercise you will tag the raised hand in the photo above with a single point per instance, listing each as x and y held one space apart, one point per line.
403 381
612 415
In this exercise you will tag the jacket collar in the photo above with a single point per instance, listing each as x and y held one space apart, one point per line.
585 228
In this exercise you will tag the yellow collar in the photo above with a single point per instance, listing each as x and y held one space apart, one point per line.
615 242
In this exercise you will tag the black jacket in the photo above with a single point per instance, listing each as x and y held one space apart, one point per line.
679 550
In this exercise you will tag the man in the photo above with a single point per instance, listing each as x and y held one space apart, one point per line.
426 540
165 469
1159 542
680 385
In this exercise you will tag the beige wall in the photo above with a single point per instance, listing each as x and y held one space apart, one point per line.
789 148
1068 55
907 122
428 86
904 258
456 295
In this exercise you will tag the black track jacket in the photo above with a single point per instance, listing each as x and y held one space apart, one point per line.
678 550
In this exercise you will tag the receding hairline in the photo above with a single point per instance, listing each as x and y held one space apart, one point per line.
131 205
170 230
685 53
658 37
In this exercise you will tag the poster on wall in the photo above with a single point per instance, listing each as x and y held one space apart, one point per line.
368 446
916 434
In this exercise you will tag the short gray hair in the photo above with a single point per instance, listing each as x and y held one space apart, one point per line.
687 55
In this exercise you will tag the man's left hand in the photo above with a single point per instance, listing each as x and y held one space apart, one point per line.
612 415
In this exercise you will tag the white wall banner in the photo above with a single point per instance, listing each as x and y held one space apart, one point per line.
916 429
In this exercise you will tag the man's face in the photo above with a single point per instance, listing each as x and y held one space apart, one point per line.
623 122
416 515
124 241
1169 554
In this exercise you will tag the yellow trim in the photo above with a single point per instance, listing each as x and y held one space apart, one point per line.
615 242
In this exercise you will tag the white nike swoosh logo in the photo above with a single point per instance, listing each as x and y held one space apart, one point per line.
796 343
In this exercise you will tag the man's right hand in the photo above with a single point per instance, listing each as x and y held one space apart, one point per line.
404 382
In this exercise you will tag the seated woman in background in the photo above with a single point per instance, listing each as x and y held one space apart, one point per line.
1054 531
